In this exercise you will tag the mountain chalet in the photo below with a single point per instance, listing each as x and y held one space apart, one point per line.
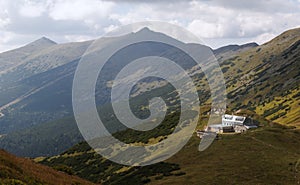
230 123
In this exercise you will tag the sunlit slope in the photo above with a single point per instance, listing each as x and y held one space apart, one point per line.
266 78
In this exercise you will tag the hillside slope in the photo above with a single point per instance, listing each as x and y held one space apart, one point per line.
268 155
11 59
39 88
14 170
27 73
266 79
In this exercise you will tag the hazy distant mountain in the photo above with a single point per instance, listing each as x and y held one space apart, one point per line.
30 70
11 59
37 87
235 47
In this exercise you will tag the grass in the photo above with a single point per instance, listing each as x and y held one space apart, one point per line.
21 171
266 156
288 115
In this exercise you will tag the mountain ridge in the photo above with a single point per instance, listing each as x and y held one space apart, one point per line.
263 79
234 47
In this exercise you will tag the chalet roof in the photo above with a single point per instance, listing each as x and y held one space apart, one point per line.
228 117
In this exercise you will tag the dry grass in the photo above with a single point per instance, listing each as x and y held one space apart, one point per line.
15 169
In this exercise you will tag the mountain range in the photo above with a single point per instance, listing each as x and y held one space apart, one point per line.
262 82
38 85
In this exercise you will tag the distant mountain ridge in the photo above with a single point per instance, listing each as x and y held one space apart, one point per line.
37 87
12 58
234 47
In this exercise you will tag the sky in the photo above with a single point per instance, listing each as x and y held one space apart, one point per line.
216 22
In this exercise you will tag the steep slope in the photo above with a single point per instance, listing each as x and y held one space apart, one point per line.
62 134
14 170
57 135
35 73
266 78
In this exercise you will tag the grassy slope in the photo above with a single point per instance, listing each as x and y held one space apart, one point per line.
264 156
267 155
262 77
81 160
14 170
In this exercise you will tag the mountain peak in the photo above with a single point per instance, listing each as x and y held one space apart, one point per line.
39 44
43 40
144 30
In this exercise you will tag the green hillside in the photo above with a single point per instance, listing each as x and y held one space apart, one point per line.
263 156
56 135
251 158
266 79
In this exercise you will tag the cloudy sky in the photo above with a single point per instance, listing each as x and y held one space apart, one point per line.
217 22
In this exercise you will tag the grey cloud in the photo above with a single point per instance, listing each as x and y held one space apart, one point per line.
45 25
235 19
259 6
240 5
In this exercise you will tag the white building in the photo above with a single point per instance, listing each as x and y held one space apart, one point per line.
230 123
232 120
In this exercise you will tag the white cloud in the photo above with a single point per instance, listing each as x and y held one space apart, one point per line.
79 10
218 22
265 37
4 17
32 9
11 40
110 28
205 29
77 38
